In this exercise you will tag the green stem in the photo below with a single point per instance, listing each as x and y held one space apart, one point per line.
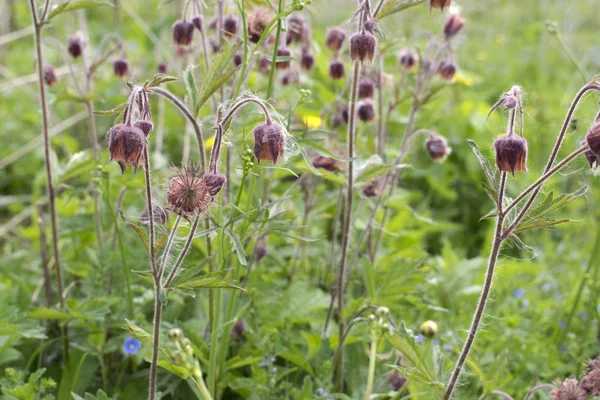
275 48
372 360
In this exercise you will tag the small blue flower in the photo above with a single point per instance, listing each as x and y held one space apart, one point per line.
131 346
519 293
562 324
321 392
419 338
447 347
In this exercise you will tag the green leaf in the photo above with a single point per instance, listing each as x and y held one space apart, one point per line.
48 313
138 229
117 110
190 86
239 249
159 79
309 162
394 6
78 164
71 5
219 72
490 172
211 280
178 370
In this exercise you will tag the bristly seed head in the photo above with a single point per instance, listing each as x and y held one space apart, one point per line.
183 32
121 68
49 75
437 147
511 153
337 70
362 46
187 192
408 58
126 146
568 390
593 139
269 141
453 25
335 39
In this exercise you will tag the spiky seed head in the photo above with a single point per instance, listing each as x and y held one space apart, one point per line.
568 390
214 182
230 25
307 60
447 69
453 25
187 191
441 4
269 141
437 147
197 22
283 52
297 29
337 70
335 39
121 68
144 125
75 45
159 215
511 153
366 88
593 138
362 46
257 23
183 32
428 329
408 58
49 75
126 145
365 110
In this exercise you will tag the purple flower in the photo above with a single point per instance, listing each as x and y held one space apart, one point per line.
131 346
519 293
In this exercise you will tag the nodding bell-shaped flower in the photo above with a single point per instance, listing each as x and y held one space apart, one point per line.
362 46
447 69
337 70
366 88
437 147
144 125
214 182
49 75
75 45
335 39
408 58
327 163
297 29
374 188
365 110
511 153
453 25
121 68
269 141
162 68
230 25
283 52
159 215
126 145
257 23
593 139
198 22
183 32
441 4
188 194
307 60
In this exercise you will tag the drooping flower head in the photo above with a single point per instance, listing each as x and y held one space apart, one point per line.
269 141
511 153
362 46
183 32
126 145
408 58
49 75
187 192
257 23
437 147
335 38
121 68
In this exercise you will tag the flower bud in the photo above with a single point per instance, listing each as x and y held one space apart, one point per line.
441 4
121 68
397 381
290 77
447 69
283 52
437 147
230 25
162 68
239 329
593 138
510 101
264 65
374 188
237 59
428 329
269 141
159 215
307 60
126 145
183 32
214 182
365 110
175 334
362 46
75 45
260 252
49 75
453 25
257 23
370 26
297 29
337 70
335 39
327 163
187 193
197 22
408 58
511 153
144 125
366 88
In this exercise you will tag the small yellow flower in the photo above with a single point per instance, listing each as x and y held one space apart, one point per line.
465 80
208 143
312 121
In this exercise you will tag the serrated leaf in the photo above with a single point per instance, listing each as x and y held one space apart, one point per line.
210 280
394 6
159 79
309 162
540 224
137 229
190 85
117 110
219 72
71 5
239 249
490 172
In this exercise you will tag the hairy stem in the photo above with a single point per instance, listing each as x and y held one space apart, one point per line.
155 341
183 253
372 360
275 50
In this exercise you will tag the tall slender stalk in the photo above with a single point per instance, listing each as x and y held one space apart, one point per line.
38 25
372 361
